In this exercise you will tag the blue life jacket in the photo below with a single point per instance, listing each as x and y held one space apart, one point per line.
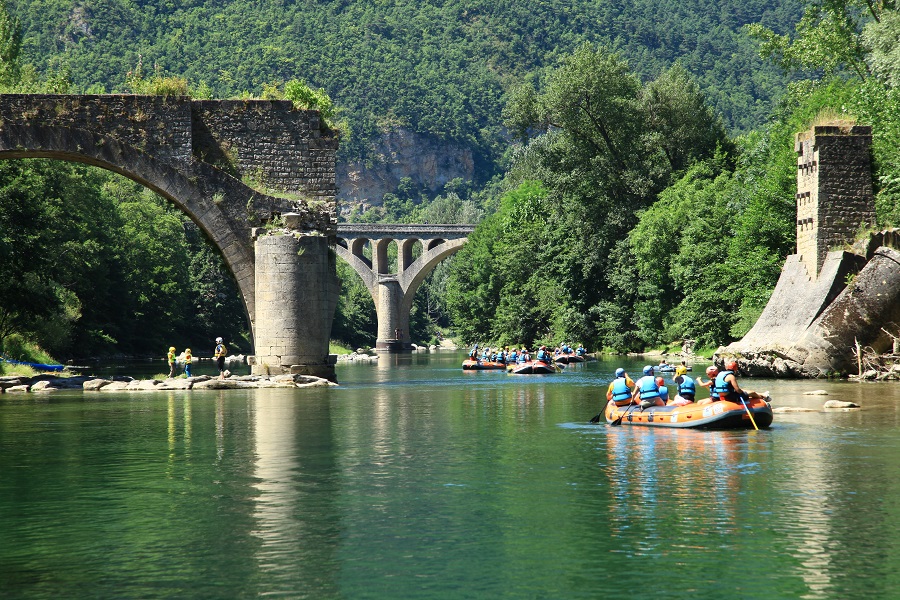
649 389
687 386
620 390
722 387
542 355
513 356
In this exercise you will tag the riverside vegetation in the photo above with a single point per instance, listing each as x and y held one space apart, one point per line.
635 168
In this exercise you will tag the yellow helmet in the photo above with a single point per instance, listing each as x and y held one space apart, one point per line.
187 350
171 348
681 370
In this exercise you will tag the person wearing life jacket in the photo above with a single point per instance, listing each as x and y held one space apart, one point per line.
646 390
513 356
543 355
220 352
620 388
727 386
580 351
170 358
663 390
187 362
474 353
486 354
687 390
711 372
524 356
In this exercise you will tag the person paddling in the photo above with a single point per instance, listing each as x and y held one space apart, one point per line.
646 390
727 386
620 388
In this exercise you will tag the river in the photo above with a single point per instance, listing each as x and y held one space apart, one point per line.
414 479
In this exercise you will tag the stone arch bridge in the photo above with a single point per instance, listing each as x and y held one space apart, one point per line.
257 177
393 290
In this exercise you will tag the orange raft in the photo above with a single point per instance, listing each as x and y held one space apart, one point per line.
717 415
482 365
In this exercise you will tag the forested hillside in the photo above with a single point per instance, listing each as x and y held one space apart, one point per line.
440 68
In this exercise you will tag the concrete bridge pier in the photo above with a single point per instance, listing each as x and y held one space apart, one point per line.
296 295
393 322
393 293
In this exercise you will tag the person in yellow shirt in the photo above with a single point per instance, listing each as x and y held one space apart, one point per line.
220 353
187 362
620 388
170 357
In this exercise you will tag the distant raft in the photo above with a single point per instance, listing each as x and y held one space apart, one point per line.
482 365
534 367
717 415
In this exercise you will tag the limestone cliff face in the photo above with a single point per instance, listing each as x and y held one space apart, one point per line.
429 162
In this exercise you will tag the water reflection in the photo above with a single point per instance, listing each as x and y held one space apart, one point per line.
295 514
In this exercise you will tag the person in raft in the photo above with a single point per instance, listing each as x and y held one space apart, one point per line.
663 390
170 358
620 388
711 372
187 362
542 355
687 390
726 385
646 390
220 352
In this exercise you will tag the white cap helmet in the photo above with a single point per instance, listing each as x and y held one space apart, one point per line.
218 340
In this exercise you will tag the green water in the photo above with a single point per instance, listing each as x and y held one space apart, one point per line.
414 479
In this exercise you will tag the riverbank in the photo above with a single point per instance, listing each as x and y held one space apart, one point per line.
51 383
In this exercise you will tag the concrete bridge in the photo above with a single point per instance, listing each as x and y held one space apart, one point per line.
393 292
257 177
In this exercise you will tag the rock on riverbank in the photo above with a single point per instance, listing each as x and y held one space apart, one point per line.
48 383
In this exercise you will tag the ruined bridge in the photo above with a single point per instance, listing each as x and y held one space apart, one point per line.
393 292
257 177
840 288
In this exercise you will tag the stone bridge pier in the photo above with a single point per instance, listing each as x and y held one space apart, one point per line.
256 176
392 289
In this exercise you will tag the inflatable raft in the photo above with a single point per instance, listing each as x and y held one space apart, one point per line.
717 415
481 365
534 367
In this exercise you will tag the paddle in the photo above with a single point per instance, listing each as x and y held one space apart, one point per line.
749 414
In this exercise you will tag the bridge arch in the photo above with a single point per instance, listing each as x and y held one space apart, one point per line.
194 153
393 293
189 196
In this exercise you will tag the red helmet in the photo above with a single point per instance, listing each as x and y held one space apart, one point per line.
712 371
660 381
731 364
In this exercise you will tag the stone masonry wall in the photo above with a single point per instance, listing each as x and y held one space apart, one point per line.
157 125
268 142
834 190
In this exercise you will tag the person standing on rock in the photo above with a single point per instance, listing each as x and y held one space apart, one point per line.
170 357
220 353
187 362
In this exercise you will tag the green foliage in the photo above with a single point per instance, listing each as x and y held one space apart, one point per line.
830 37
303 96
157 84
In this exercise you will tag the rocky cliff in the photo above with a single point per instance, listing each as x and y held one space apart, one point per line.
430 163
